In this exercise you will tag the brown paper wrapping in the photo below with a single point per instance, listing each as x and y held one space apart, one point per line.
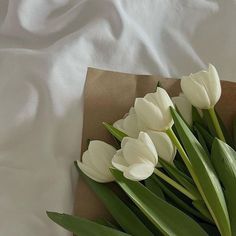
108 96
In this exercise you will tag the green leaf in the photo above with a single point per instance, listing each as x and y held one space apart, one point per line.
153 187
234 131
83 227
205 176
145 220
224 161
201 140
210 229
227 135
176 108
105 223
181 178
181 204
115 132
196 116
181 166
208 122
205 134
168 219
118 209
201 206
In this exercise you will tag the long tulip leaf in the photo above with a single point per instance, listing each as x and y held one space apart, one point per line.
201 206
118 209
145 220
224 161
114 131
205 176
234 131
202 140
105 223
167 218
227 135
196 116
153 187
83 227
205 134
181 166
176 108
181 178
210 229
181 204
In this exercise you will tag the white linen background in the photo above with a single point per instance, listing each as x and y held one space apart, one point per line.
45 48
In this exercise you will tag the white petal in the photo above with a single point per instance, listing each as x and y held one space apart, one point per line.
86 159
151 97
119 162
132 111
141 125
203 88
139 171
195 91
163 102
164 146
214 85
150 115
184 107
163 99
91 173
125 140
135 151
119 125
130 125
101 155
144 137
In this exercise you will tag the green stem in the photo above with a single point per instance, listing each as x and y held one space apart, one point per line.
216 124
188 164
181 150
184 156
174 184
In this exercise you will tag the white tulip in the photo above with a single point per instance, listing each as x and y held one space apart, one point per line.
137 158
203 88
153 110
184 107
164 146
96 161
128 125
166 150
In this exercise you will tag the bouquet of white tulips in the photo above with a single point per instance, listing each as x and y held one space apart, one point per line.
174 160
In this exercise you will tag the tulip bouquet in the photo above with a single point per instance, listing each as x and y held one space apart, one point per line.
174 160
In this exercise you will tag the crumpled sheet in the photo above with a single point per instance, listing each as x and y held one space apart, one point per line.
45 49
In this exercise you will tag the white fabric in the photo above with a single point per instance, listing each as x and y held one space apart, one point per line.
45 48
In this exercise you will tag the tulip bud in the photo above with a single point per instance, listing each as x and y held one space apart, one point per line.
166 150
184 107
203 88
128 125
137 158
96 161
153 110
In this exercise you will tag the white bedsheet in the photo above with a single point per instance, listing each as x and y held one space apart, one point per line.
45 48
